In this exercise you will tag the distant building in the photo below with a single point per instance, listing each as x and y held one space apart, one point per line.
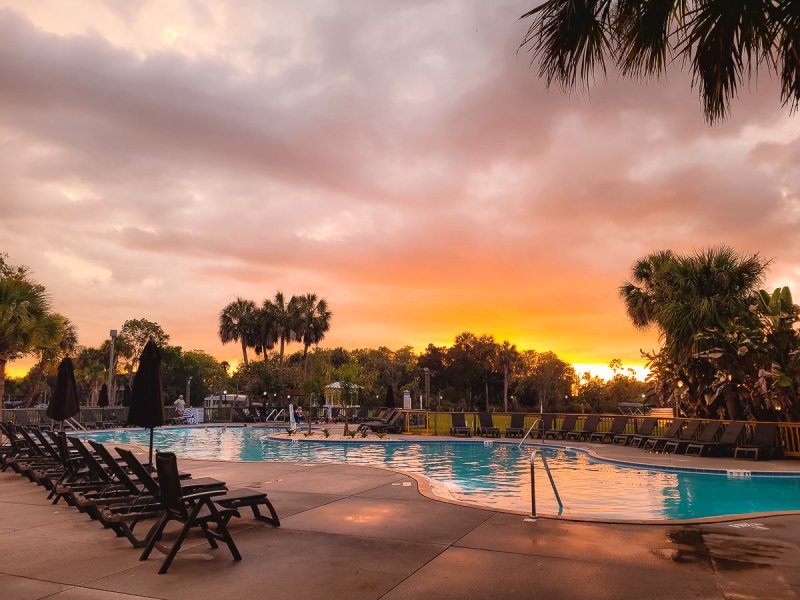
333 394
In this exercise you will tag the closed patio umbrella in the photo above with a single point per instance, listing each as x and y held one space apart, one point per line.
102 401
64 403
126 395
147 406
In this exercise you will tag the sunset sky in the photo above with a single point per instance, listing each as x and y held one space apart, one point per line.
401 159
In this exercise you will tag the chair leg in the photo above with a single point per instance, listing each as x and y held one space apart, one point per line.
222 530
275 521
176 546
153 536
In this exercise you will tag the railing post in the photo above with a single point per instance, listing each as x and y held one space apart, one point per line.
533 484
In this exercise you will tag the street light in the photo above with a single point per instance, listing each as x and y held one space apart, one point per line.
111 395
188 390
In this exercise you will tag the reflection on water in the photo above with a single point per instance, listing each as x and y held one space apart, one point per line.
499 475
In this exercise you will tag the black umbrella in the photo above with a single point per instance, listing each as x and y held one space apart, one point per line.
102 401
147 407
126 395
64 403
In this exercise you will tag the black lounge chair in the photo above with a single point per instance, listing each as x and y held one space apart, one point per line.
589 428
393 424
763 442
545 423
674 428
617 427
725 444
645 429
684 434
709 433
517 427
381 420
487 427
237 498
194 510
459 425
567 425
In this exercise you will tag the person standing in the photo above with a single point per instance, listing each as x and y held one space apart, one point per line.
180 405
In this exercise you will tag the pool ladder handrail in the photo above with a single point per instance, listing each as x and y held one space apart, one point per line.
527 433
533 482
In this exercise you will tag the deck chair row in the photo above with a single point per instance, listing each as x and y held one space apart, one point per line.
120 492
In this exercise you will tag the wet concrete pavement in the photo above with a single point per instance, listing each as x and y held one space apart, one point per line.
359 532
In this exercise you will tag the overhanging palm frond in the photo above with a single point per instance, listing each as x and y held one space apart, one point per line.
569 38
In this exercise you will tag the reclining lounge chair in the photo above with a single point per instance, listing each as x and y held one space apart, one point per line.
487 427
459 425
763 444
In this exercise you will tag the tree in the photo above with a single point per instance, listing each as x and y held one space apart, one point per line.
237 322
722 42
50 354
313 322
283 318
135 333
26 323
507 359
91 369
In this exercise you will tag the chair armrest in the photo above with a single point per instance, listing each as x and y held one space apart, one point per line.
206 494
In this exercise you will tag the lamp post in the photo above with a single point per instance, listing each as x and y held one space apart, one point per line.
111 394
188 391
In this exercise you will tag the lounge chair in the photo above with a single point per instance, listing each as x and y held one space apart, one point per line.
194 510
543 425
763 442
237 498
487 427
567 425
394 424
381 419
684 434
725 444
589 428
709 433
674 428
459 425
617 427
645 429
517 427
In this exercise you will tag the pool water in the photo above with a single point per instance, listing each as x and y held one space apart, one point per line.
498 475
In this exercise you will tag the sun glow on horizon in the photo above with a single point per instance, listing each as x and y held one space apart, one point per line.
603 371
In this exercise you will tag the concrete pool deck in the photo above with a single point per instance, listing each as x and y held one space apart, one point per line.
361 532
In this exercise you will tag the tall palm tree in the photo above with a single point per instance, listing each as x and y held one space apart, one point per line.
284 317
25 320
683 296
314 321
723 42
236 323
264 331
507 359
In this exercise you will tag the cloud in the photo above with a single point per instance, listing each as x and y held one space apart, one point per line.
399 159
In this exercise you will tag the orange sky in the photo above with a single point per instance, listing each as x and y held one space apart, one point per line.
402 161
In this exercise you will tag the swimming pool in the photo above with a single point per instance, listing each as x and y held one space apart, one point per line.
498 475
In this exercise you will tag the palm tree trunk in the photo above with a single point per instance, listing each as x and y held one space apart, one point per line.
281 363
3 361
34 379
486 381
244 351
305 359
505 389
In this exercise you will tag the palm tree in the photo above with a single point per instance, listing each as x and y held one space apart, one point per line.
26 323
507 359
61 344
685 295
236 323
721 42
314 320
284 320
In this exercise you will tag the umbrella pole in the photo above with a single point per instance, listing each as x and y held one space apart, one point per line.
151 448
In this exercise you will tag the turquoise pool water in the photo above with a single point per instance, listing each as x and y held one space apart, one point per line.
498 475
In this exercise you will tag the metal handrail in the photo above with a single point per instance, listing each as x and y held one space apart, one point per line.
527 433
533 483
76 425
